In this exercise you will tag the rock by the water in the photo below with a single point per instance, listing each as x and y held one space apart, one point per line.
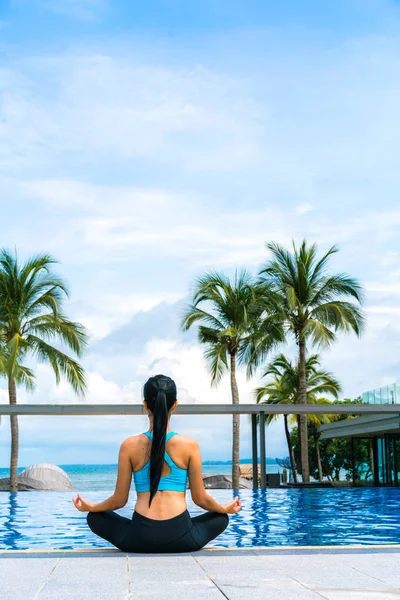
40 477
224 482
5 486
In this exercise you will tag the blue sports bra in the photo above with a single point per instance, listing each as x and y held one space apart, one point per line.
175 481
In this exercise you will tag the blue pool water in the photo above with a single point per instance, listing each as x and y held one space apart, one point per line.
295 517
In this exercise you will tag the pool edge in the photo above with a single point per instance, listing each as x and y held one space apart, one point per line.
251 550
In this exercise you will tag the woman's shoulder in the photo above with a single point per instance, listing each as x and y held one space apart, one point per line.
184 440
134 440
177 439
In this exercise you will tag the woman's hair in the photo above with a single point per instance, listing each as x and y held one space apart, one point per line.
160 395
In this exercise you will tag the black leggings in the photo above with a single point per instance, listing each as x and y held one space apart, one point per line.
140 534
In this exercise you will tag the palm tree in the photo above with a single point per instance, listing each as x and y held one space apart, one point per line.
283 388
233 320
314 306
31 318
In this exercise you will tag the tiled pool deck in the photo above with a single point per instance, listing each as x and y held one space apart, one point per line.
333 573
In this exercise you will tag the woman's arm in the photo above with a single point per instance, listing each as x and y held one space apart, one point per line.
121 493
198 492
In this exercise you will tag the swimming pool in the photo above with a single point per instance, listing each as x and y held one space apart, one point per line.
276 517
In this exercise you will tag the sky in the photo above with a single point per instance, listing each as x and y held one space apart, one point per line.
142 144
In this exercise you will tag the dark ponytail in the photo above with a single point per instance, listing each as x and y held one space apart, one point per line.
160 396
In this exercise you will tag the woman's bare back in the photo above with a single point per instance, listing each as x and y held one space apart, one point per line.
166 504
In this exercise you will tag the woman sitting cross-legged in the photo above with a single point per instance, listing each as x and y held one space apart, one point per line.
160 461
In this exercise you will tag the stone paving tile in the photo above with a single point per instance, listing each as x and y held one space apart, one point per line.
202 576
264 592
253 578
21 578
98 578
174 576
359 594
324 572
384 567
173 591
253 571
174 567
82 591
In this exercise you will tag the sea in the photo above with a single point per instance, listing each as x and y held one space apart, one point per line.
103 477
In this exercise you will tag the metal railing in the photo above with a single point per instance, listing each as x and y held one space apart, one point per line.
196 409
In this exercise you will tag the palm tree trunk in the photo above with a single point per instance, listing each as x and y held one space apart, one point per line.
303 433
299 438
12 395
371 458
318 453
290 449
235 426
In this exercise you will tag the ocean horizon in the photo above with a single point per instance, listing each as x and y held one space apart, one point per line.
97 477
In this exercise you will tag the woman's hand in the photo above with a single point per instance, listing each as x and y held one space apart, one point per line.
233 507
82 505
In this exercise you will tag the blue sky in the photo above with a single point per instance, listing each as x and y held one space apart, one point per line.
142 143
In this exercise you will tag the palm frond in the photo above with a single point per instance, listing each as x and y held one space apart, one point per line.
281 269
274 393
195 314
266 334
319 333
282 381
335 287
342 316
216 360
73 334
49 299
35 265
26 377
319 268
61 363
208 335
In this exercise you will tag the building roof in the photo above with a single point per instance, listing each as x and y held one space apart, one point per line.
366 426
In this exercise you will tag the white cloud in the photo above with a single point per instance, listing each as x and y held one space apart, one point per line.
146 221
384 310
112 310
197 229
110 104
303 209
383 287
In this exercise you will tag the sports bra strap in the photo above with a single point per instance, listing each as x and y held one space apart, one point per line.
168 437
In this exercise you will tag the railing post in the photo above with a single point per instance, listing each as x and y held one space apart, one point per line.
254 449
263 479
387 460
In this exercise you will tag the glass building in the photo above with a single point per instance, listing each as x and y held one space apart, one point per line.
375 440
388 394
